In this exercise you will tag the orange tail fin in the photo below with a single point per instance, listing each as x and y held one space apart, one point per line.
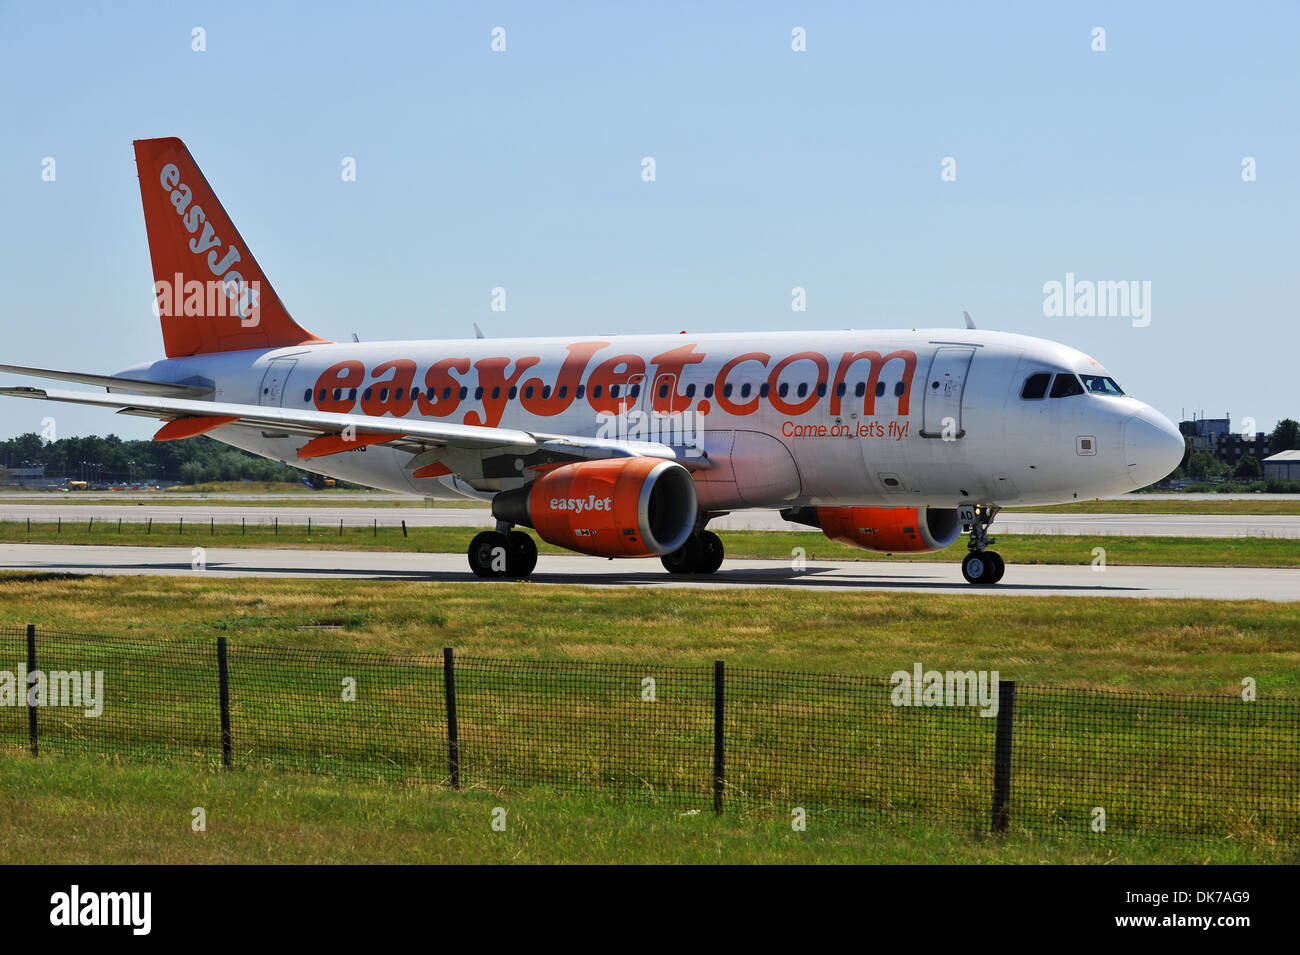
212 294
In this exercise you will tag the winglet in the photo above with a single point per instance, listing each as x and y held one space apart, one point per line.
969 323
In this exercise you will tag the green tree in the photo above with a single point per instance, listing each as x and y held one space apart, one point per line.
1285 437
1248 469
1202 465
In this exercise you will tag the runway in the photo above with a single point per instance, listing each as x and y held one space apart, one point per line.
1217 583
1141 525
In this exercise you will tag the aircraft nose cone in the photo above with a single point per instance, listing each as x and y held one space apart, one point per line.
1153 447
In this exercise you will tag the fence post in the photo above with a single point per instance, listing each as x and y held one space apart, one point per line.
719 745
453 734
1002 756
32 726
223 679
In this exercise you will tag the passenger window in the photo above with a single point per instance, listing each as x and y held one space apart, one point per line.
840 389
708 390
307 396
803 389
860 389
880 389
762 389
821 389
1065 386
898 390
690 391
1035 386
514 392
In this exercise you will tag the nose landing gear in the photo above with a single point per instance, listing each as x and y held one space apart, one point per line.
981 566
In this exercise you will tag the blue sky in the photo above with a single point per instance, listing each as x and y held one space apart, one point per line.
774 169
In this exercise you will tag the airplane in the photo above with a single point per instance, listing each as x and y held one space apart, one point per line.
626 445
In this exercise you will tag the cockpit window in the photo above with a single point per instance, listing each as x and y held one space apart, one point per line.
1101 385
1036 385
1066 385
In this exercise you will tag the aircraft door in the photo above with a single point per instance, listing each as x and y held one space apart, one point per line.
273 382
944 387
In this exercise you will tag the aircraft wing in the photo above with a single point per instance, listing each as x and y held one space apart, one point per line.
489 449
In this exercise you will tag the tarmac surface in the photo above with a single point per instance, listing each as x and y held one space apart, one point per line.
1144 525
1219 583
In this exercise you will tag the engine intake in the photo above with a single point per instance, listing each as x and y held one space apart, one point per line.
619 507
888 530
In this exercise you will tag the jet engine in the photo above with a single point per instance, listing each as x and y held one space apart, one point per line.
618 507
890 530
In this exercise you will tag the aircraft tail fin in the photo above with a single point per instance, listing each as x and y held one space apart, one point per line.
212 295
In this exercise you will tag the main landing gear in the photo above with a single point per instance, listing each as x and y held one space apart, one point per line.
502 553
982 566
701 554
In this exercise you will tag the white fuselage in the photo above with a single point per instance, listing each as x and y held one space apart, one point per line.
884 418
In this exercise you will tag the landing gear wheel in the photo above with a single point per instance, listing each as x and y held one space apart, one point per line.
521 557
489 554
999 565
974 567
977 568
686 559
711 553
981 566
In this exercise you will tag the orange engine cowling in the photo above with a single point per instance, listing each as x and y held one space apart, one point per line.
890 530
619 507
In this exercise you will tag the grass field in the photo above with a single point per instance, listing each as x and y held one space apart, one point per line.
84 810
1168 645
1198 645
766 545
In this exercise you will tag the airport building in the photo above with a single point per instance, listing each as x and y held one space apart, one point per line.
1216 436
1283 466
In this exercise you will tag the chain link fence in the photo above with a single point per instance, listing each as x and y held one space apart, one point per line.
1041 758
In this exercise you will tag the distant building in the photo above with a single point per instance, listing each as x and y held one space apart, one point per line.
1283 466
1216 436
23 476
